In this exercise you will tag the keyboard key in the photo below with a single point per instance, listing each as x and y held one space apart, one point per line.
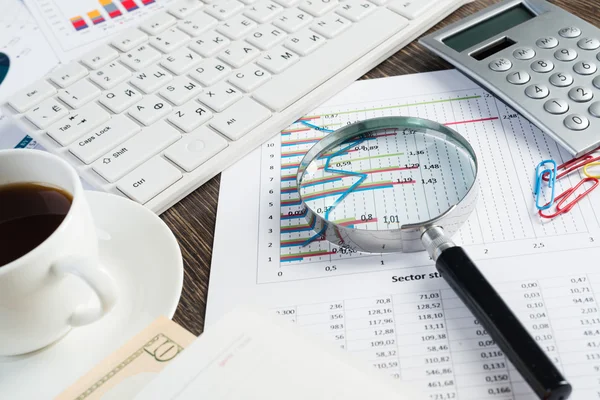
239 53
181 61
46 113
79 93
181 90
151 79
78 123
224 10
124 158
99 57
304 42
220 96
249 77
581 94
32 95
287 3
537 91
110 76
330 25
263 11
149 179
197 24
248 2
236 27
410 9
210 71
355 10
266 36
184 8
585 68
158 23
561 79
588 43
169 40
284 89
68 74
141 57
565 54
277 59
88 148
576 122
195 149
240 118
209 43
150 109
120 98
317 8
190 116
127 40
292 20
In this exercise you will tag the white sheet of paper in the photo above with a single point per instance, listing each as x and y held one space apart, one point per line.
394 310
252 355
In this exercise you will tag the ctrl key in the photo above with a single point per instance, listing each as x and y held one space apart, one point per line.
149 180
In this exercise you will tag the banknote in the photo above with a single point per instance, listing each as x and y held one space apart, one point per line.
125 372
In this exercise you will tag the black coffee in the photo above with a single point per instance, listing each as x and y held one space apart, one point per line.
29 213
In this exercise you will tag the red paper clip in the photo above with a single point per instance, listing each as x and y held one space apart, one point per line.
561 198
572 165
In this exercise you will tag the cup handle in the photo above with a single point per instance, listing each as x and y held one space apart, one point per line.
100 282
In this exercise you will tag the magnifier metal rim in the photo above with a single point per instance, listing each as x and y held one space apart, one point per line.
349 131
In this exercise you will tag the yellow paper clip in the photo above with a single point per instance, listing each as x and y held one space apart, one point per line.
585 170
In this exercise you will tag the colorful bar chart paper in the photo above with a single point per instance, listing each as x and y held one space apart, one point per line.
110 8
78 23
96 17
129 5
147 2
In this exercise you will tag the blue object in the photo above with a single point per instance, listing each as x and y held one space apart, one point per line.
540 171
315 126
4 65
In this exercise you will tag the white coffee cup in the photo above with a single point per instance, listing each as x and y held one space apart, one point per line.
46 292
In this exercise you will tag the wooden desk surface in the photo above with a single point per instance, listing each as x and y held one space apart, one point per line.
193 219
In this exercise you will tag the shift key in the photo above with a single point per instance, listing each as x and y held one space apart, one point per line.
133 152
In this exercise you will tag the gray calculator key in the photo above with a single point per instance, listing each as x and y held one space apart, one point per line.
585 68
596 82
595 109
576 122
524 53
588 43
565 54
570 32
500 64
547 42
542 66
561 79
518 77
537 91
556 106
581 94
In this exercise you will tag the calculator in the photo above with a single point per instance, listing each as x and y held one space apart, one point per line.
538 59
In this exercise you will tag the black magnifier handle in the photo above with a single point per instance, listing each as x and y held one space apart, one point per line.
502 325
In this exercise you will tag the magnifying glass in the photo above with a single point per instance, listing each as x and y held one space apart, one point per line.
403 184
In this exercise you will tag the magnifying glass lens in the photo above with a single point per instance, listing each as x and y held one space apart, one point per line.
387 178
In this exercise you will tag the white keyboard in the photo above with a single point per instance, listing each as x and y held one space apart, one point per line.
157 111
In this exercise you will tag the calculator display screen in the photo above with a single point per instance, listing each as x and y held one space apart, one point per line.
488 28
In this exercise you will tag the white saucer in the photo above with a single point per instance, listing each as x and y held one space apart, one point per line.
142 255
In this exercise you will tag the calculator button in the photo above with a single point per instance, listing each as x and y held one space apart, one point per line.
500 64
518 77
537 91
581 94
561 79
556 106
596 82
548 42
588 43
576 122
542 66
585 68
595 109
524 53
565 54
570 32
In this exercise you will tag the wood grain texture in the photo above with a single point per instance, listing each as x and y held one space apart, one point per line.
193 219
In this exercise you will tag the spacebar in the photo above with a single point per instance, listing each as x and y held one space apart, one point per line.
311 71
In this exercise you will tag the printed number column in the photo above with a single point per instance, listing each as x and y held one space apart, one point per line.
423 343
480 367
326 320
576 321
371 332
